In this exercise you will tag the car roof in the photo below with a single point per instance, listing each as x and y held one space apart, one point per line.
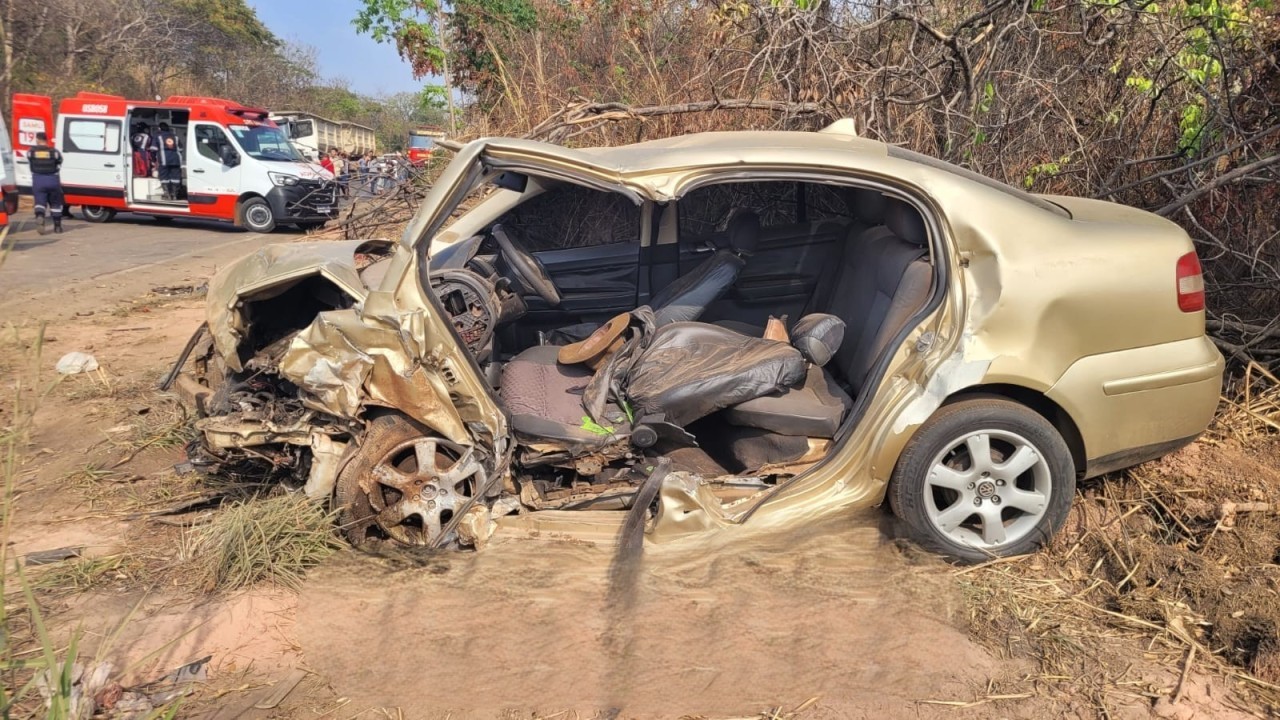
823 148
725 147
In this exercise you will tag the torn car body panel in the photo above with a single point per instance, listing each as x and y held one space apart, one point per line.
267 273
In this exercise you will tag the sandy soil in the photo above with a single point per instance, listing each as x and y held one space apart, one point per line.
711 628
835 619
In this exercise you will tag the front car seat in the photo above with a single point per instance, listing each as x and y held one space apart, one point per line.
680 373
544 398
814 408
688 297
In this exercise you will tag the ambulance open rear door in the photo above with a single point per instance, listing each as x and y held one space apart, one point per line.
32 114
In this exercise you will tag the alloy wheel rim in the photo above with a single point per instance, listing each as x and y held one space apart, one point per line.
418 487
988 489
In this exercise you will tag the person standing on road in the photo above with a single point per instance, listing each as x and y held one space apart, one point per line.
46 185
362 173
341 168
168 163
372 172
402 168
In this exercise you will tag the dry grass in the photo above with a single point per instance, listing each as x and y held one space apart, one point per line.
80 575
274 540
776 713
1254 408
96 385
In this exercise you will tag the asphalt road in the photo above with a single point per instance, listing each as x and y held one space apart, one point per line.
128 254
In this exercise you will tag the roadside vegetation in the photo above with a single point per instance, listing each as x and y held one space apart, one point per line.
158 48
1171 107
1173 564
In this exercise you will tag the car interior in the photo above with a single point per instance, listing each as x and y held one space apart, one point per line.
742 321
145 188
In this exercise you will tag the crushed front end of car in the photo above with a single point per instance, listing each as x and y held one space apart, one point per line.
298 355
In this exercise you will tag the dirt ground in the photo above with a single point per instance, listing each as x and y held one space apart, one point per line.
833 620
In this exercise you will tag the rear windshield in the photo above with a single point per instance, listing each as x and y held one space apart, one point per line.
935 163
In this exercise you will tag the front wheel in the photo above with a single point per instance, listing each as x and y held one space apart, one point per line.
984 478
97 214
405 485
256 215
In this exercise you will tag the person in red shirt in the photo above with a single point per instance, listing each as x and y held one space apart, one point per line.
326 161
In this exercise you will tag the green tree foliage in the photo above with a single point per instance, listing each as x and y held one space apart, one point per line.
144 48
411 25
231 18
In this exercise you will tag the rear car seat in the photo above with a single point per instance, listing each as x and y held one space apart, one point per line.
868 214
882 280
883 277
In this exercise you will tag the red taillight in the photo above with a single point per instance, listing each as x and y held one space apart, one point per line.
1190 283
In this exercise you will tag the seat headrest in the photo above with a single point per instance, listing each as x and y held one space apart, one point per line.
818 336
905 222
744 232
869 206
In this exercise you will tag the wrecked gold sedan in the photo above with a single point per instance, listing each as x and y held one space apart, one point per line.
704 331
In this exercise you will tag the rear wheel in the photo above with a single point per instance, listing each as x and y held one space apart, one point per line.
984 478
405 485
97 213
256 215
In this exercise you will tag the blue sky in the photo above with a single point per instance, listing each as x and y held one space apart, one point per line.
368 67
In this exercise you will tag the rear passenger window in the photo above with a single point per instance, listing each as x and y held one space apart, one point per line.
572 216
824 202
707 209
92 136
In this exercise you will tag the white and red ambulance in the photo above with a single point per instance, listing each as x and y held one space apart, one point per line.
236 164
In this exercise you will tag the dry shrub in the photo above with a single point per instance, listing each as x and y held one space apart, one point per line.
1252 406
1170 107
274 540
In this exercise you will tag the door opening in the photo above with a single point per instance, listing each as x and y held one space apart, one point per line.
158 163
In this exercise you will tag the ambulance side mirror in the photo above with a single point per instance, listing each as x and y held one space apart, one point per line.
230 157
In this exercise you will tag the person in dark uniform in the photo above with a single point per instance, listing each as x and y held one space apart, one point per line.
141 141
46 162
168 161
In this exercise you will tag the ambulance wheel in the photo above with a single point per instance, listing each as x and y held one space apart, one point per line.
255 215
97 214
